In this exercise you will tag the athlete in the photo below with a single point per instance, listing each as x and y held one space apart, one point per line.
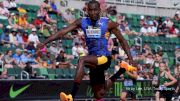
129 85
99 58
166 83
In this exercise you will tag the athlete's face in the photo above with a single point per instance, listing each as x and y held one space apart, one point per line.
94 11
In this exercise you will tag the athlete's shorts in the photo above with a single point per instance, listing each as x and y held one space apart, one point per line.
97 74
130 93
168 94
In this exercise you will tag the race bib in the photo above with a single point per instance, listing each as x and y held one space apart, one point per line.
128 83
93 33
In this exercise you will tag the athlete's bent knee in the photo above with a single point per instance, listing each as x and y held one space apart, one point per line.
99 95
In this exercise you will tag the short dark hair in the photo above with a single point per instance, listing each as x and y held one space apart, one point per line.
94 2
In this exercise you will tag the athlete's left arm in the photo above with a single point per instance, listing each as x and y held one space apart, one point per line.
132 74
173 79
113 27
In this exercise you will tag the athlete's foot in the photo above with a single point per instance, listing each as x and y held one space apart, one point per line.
64 97
128 67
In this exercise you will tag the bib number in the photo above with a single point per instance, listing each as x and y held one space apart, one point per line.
128 83
93 33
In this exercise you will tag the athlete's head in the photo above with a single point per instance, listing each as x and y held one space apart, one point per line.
94 10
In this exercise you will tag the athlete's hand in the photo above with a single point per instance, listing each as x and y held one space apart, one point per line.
166 84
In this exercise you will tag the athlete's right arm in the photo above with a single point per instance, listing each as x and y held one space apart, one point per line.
62 32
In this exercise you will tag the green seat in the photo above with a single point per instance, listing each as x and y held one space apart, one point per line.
18 71
72 72
171 61
11 72
51 73
66 71
59 73
43 71
75 61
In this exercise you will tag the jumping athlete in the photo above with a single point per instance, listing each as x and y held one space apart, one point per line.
99 58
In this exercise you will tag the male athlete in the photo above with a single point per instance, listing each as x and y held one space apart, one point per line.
99 58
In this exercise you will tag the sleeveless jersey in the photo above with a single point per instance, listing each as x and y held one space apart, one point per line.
95 36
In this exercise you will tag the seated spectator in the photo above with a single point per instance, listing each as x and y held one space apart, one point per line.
68 16
53 7
13 21
78 50
4 12
61 61
146 50
13 4
25 36
177 16
12 38
10 4
43 14
19 38
5 40
30 46
22 21
33 37
45 31
49 59
54 49
29 69
6 3
17 58
8 60
144 29
45 4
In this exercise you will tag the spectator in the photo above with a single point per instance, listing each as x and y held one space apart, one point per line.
53 7
54 49
5 40
48 60
168 22
12 20
25 36
61 60
12 38
177 16
4 12
33 37
7 4
146 50
78 50
149 60
45 4
19 38
45 31
17 58
30 47
144 29
43 14
22 21
68 16
29 69
8 60
13 4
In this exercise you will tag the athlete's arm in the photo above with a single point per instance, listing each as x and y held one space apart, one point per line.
132 74
112 26
62 32
173 80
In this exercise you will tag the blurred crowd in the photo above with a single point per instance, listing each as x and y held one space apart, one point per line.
21 36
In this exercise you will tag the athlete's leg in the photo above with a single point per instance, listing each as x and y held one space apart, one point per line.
123 96
157 95
98 91
90 60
